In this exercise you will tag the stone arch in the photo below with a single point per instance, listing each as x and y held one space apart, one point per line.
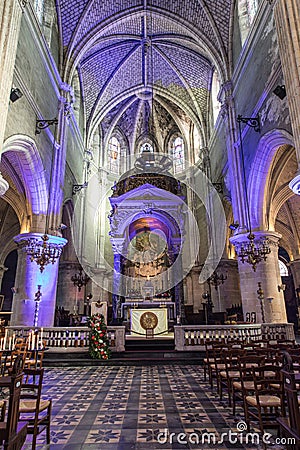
31 170
260 174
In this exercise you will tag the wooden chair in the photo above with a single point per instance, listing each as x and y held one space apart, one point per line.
231 371
35 410
266 403
290 426
12 432
34 358
245 384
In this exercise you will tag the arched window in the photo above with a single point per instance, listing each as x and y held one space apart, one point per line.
215 88
114 149
39 9
246 11
178 154
283 269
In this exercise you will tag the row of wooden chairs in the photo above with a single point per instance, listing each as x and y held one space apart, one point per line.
30 358
250 373
26 411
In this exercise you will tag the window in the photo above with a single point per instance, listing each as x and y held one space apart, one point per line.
246 11
114 155
178 155
283 269
39 9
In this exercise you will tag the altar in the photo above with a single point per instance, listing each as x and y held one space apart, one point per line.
154 320
128 306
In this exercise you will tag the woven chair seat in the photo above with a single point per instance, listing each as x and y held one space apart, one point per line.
29 406
248 385
230 374
264 401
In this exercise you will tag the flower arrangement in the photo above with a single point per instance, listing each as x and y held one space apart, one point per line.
99 344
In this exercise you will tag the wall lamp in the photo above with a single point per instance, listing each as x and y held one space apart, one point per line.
15 94
280 91
281 287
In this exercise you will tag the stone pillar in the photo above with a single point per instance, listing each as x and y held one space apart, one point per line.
234 159
267 272
295 270
287 18
3 269
10 21
177 282
227 293
68 295
28 277
116 297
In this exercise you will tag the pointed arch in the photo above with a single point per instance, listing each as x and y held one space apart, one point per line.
260 174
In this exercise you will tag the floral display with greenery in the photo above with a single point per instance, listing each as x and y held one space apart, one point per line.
99 343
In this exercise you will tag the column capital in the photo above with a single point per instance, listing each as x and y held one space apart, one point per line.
23 237
272 236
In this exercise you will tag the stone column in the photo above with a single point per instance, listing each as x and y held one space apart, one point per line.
234 159
287 19
177 282
28 277
295 269
267 272
68 295
3 269
116 297
10 21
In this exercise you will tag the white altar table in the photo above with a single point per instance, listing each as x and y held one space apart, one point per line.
139 316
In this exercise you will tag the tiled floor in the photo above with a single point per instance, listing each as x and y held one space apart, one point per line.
137 407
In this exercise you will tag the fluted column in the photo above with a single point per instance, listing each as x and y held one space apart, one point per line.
267 272
10 21
28 277
287 19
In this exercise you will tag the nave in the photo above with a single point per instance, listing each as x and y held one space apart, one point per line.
131 407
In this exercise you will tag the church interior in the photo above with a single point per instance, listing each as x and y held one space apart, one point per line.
150 176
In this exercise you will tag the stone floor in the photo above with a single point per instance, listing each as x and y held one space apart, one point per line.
139 407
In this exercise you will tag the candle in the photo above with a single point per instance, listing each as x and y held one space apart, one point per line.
33 341
5 337
9 343
42 337
29 339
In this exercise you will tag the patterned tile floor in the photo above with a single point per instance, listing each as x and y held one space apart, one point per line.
137 407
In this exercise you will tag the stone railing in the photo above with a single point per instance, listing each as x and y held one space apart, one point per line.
193 337
72 338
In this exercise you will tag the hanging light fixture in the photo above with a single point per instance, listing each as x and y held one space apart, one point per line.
80 279
254 250
42 249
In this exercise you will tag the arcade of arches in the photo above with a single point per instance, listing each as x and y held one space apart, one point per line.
125 138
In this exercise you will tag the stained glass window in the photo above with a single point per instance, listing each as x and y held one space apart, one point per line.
114 155
178 154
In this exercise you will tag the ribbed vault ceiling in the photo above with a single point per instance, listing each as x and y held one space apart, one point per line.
129 51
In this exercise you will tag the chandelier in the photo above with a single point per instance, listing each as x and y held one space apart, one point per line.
216 280
80 279
43 252
254 250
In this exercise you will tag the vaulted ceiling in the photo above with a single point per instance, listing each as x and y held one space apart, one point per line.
137 57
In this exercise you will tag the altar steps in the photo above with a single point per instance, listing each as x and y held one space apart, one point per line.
139 355
138 351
